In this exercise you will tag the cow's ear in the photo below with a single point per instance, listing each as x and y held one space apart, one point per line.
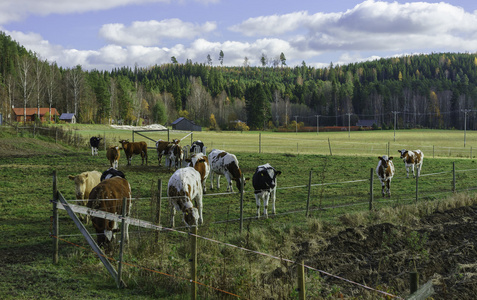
278 172
391 158
380 157
71 177
399 151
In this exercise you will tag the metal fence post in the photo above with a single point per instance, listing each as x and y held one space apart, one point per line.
301 280
453 178
241 205
308 199
193 269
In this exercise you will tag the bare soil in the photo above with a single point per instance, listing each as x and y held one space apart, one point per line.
442 248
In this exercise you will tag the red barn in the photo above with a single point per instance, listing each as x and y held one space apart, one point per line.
30 113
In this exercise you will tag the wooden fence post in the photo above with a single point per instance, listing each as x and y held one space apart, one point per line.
308 199
371 194
55 228
121 245
241 205
301 280
453 177
193 269
414 281
158 207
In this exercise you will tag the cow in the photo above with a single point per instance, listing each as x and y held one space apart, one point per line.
200 163
411 159
84 183
108 196
94 143
184 190
385 172
175 156
223 163
113 154
162 147
111 172
197 147
264 182
134 148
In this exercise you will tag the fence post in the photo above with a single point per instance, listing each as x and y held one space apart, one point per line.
453 177
432 151
470 152
241 205
417 187
121 244
371 195
329 145
55 228
414 281
193 269
259 142
308 199
301 280
158 207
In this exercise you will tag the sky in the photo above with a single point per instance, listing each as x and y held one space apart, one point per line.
108 34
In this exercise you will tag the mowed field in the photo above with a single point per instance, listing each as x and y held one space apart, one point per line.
340 186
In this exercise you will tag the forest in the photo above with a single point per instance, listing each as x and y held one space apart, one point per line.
435 90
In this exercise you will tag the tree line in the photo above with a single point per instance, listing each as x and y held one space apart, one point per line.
435 90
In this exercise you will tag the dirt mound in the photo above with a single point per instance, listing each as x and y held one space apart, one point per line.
442 248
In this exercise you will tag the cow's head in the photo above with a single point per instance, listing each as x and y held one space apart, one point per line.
80 185
124 142
191 216
403 153
385 160
239 180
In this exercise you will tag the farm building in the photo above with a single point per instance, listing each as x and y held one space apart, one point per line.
184 124
366 123
29 114
68 118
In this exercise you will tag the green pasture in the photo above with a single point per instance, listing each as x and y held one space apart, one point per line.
340 185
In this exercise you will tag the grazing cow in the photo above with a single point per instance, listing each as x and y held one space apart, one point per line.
184 189
94 143
197 147
111 172
411 159
385 172
264 182
84 183
200 163
223 163
162 147
113 155
108 196
134 148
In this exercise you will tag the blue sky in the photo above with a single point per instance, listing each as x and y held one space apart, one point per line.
110 34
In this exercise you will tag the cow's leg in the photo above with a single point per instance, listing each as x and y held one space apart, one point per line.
211 180
382 188
266 198
419 167
412 167
92 151
407 171
257 201
116 164
388 187
230 187
198 204
218 182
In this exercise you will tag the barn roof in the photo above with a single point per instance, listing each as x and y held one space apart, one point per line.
33 111
366 123
67 116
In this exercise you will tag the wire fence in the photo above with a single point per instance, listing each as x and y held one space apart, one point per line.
221 212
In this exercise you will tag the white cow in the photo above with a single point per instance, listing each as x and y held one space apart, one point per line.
185 188
223 163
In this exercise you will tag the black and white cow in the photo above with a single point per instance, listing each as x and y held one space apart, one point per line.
112 172
94 143
264 182
197 147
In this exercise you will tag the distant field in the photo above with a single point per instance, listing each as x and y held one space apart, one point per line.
434 143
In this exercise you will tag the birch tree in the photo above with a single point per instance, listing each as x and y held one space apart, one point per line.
26 84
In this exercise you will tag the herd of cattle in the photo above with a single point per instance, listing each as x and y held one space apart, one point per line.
187 185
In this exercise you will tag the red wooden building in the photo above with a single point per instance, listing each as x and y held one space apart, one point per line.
32 112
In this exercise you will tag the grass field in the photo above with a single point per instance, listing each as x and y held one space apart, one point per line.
340 187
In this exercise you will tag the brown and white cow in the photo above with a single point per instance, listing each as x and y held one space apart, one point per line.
200 163
184 190
113 154
385 172
223 163
84 183
175 156
131 148
108 196
411 159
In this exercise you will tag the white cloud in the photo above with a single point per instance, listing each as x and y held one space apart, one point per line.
150 33
16 10
270 25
